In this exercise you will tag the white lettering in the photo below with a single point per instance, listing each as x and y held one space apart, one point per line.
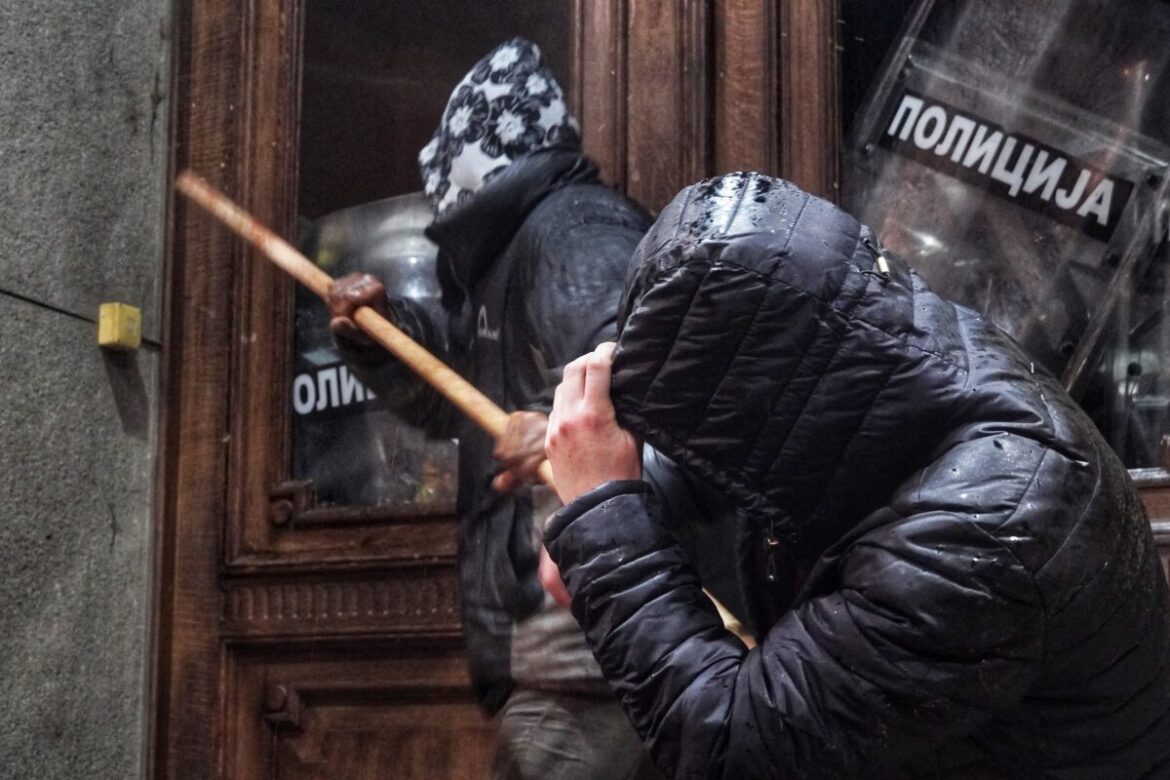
1099 202
925 139
1046 175
1013 177
959 125
304 394
983 149
327 377
483 329
905 116
351 388
1065 199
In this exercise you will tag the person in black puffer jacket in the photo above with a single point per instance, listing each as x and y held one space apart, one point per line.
533 249
950 571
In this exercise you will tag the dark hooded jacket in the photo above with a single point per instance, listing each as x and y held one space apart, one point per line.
531 268
951 572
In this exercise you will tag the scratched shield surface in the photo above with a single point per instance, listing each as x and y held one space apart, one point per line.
355 450
1016 155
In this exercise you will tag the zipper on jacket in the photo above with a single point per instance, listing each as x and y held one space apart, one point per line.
772 546
883 267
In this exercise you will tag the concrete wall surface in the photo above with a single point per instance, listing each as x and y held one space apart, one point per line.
83 133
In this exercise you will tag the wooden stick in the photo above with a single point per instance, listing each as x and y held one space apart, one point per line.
455 388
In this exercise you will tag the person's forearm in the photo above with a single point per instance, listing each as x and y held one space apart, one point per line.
641 606
399 388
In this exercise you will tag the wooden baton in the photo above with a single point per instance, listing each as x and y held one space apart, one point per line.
469 400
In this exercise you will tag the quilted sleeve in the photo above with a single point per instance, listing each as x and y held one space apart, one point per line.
933 626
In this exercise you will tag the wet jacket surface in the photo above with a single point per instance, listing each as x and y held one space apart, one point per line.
979 592
532 268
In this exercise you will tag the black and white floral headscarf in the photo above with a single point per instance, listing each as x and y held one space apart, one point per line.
508 105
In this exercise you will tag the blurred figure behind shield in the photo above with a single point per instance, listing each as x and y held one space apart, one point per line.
533 253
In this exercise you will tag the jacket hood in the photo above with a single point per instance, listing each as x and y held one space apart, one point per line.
764 347
472 235
508 105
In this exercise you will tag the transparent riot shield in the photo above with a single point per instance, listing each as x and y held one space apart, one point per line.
1016 155
354 450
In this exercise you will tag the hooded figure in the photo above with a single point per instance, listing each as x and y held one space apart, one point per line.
950 572
533 249
507 106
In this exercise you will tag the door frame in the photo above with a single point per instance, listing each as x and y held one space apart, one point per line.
668 92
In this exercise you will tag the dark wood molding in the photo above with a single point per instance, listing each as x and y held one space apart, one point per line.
205 129
290 500
225 573
338 539
260 423
283 707
408 601
600 78
301 707
292 505
809 73
668 98
746 89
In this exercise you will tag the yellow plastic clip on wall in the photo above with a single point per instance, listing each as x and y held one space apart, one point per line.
119 326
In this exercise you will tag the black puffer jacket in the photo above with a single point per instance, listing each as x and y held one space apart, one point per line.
531 268
982 594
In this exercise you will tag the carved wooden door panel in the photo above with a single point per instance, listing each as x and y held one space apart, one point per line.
672 91
297 637
298 634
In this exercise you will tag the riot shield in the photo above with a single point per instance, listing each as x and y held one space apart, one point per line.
1016 155
355 450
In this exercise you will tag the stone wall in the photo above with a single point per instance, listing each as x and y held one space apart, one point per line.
83 133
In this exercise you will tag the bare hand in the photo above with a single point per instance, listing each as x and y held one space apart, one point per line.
585 444
520 450
347 295
550 578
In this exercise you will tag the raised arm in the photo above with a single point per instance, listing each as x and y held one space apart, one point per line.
394 383
931 626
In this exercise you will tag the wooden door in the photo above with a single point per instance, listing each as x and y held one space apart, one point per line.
294 640
673 91
299 641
